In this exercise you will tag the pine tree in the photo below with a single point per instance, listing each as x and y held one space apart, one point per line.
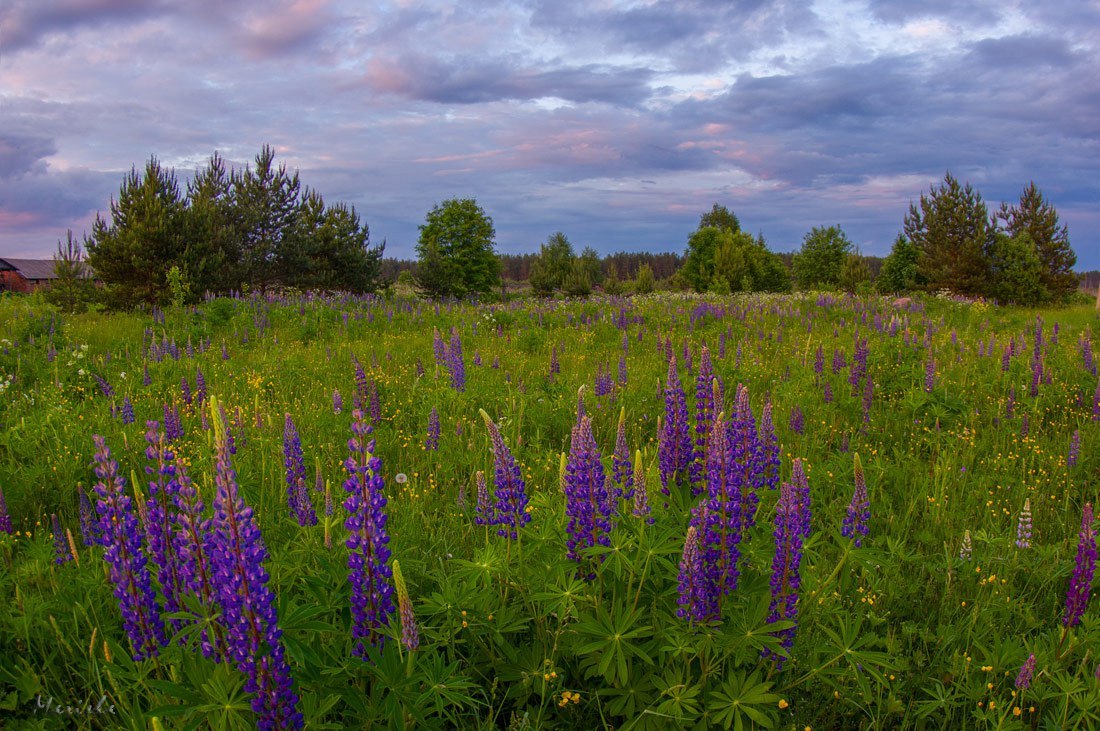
1039 220
72 288
266 200
952 233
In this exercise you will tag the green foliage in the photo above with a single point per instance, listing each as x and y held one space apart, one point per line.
1038 219
952 233
72 290
644 282
455 251
724 261
1017 271
178 286
855 275
552 265
577 282
900 272
824 253
721 218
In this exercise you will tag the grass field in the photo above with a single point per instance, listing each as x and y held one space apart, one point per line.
593 616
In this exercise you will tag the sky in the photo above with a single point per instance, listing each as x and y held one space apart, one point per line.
617 123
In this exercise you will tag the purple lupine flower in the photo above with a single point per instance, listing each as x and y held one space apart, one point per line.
163 524
185 391
1025 425
791 521
839 362
748 455
1036 374
122 538
483 513
674 449
859 364
297 491
589 505
200 387
477 356
1027 670
555 366
248 603
368 550
5 518
1096 403
456 364
797 420
1086 352
1074 448
769 447
89 529
622 371
868 399
1080 585
127 413
431 443
362 387
337 402
410 635
61 551
1006 358
173 427
691 579
193 545
438 348
802 495
104 387
621 468
708 394
819 360
828 392
510 506
859 509
641 493
225 351
929 374
374 403
1023 526
721 522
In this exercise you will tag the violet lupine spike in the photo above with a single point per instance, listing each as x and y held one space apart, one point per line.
367 543
510 505
483 513
588 503
374 403
61 551
362 389
185 391
769 443
122 539
200 387
127 413
1027 671
297 490
691 579
674 449
439 350
89 529
641 493
791 524
797 420
456 363
431 443
929 374
859 509
802 493
410 634
193 544
1023 526
868 399
621 468
173 427
337 402
1074 449
622 371
1080 585
721 529
747 455
555 365
248 604
162 524
707 400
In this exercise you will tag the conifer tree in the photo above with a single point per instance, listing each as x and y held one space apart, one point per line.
952 233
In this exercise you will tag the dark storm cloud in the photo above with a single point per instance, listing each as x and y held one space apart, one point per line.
466 80
23 154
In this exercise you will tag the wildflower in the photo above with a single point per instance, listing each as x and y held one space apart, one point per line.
1080 585
185 391
965 551
859 509
721 521
5 518
691 579
641 495
248 604
1074 449
367 543
621 468
127 411
797 420
588 503
769 446
337 402
200 387
162 524
1023 526
61 550
708 397
119 528
410 636
510 507
792 519
297 492
674 450
1023 679
483 513
431 443
455 363
929 373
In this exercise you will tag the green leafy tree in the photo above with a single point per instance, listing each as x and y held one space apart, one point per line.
644 281
952 232
592 265
1017 270
72 288
552 265
578 282
456 251
143 240
900 272
720 217
1039 220
698 269
854 274
822 257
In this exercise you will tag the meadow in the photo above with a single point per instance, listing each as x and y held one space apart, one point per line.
669 528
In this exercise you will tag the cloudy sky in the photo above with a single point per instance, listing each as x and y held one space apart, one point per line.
618 123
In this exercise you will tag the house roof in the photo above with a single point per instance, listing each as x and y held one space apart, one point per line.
33 269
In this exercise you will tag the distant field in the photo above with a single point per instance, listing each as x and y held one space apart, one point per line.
594 615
